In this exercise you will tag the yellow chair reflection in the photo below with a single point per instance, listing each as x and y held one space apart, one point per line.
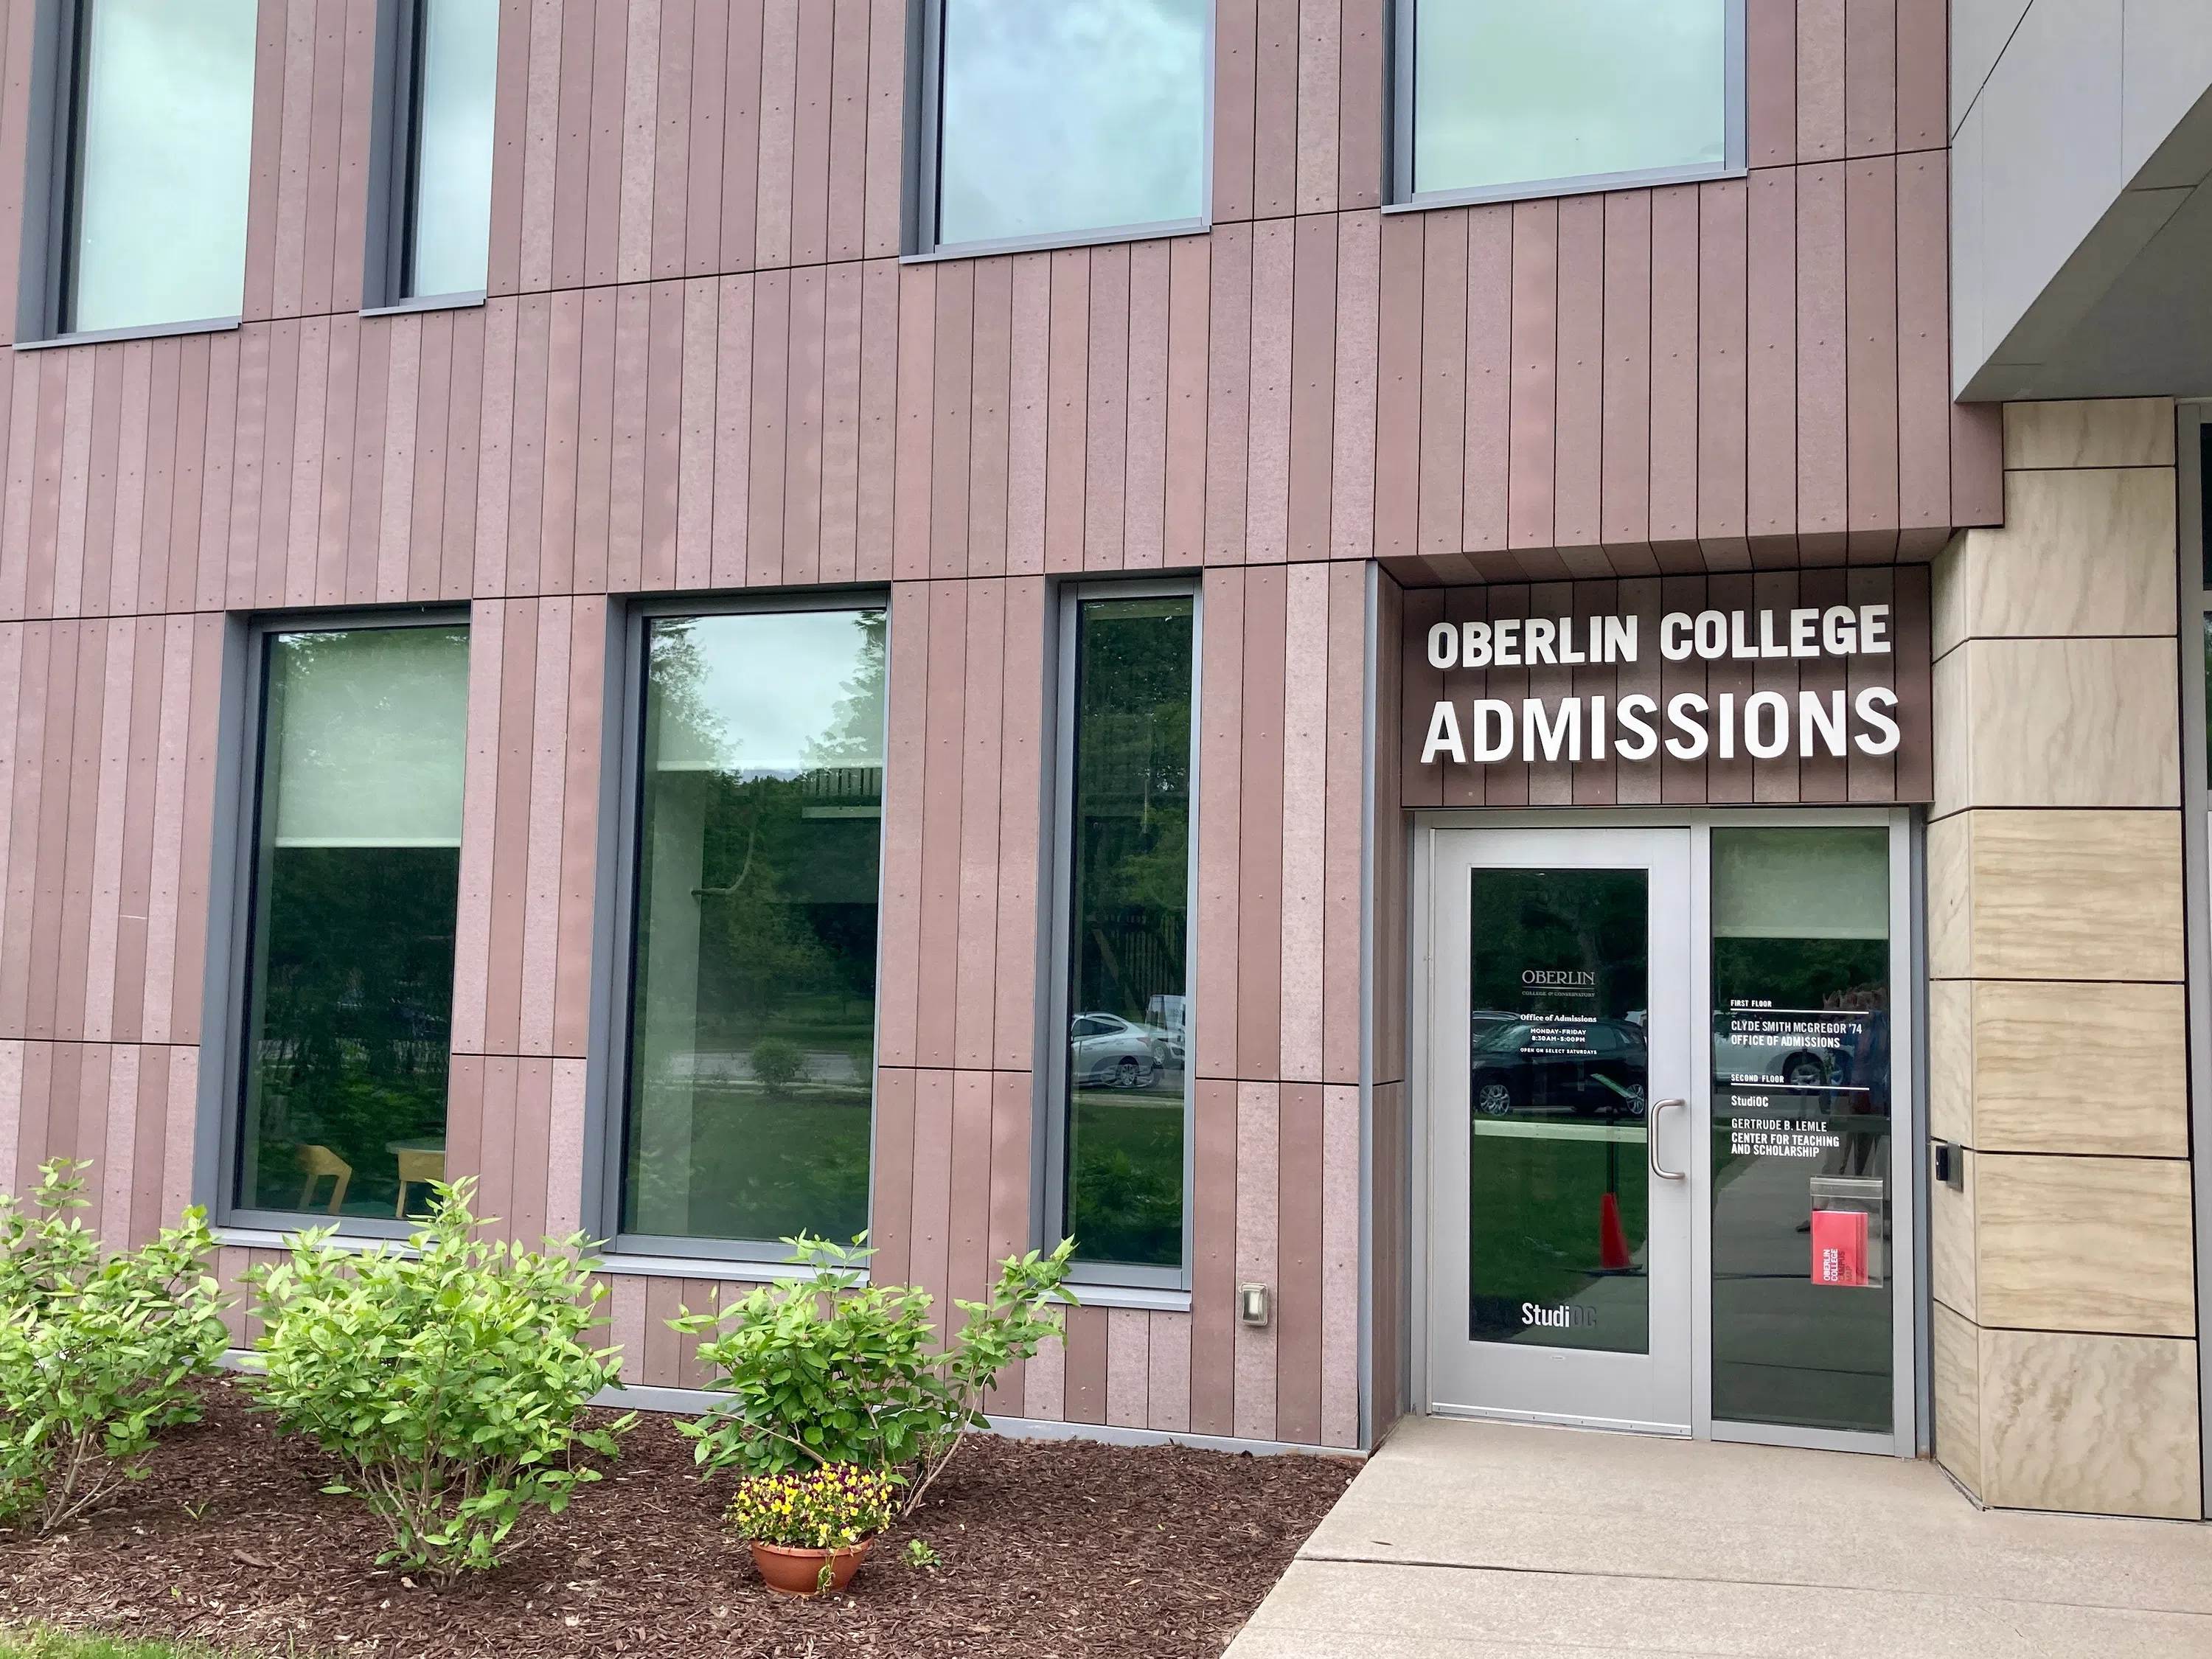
315 1162
420 1164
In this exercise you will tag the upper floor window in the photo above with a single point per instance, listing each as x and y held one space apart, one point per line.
443 63
1072 121
160 101
1511 99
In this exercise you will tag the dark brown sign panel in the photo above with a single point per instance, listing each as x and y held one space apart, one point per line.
1778 687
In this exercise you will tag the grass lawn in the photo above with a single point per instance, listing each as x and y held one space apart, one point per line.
63 1644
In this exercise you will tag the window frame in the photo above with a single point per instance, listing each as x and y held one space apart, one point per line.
614 977
53 164
2193 609
1055 1003
925 145
394 156
1402 197
227 1014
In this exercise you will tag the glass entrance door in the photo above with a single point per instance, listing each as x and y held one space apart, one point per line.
1562 1190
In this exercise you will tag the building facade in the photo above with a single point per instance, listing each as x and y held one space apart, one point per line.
1407 667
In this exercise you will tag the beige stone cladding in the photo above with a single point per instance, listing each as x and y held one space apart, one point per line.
2065 1352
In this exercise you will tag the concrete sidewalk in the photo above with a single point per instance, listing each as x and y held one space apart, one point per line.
1493 1541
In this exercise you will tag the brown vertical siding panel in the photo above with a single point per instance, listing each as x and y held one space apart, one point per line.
1923 88
1486 437
16 31
929 1235
280 444
733 419
1823 507
1213 1260
1730 777
1770 83
1871 77
699 219
938 934
1819 80
17 768
214 407
1977 463
1303 834
533 1123
968 1254
35 693
636 145
1189 324
603 162
953 339
1421 686
42 546
779 83
98 469
537 960
916 349
848 132
1771 361
1320 109
1010 1234
1258 1236
1916 691
1086 1365
1923 364
891 1211
1229 392
179 743
157 515
1362 145
460 445
1128 1366
126 557
1874 777
324 119
1275 109
30 1150
65 967
1066 405
1388 898
1444 297
680 64
1352 425
1236 91
1150 311
540 498
1313 384
199 772
695 441
1386 1272
1823 778
810 138
572 161
969 964
1105 421
104 888
580 826
1674 374
1624 505
350 187
886 140
134 890
22 377
990 384
1870 289
632 448
1576 485
1214 1041
771 371
514 79
276 27
840 422
65 681
148 1215
1260 894
86 1137
511 835
494 1165
540 146
1722 294
1029 701
878 438
906 765
334 471
415 481
1343 812
1530 507
71 483
1399 386
802 488
1776 779
1678 780
741 135
300 519
365 500
664 1349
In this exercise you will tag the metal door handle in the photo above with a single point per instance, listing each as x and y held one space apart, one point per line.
1651 1142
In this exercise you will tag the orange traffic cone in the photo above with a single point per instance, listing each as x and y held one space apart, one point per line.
1611 1241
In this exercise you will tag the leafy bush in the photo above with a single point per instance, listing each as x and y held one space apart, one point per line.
777 1062
826 1508
97 1356
824 1369
449 1380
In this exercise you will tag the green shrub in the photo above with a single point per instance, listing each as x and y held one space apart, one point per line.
823 1370
777 1062
97 1356
449 1381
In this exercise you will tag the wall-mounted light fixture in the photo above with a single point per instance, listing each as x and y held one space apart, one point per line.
1252 1304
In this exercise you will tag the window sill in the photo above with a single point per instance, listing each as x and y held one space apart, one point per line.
149 331
1073 239
463 301
1130 1295
1538 190
643 1266
282 1239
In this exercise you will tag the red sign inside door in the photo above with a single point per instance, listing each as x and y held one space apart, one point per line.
1839 1247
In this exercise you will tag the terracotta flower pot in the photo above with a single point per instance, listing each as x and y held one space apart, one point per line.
790 1571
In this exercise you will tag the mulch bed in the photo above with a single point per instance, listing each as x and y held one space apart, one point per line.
1048 1550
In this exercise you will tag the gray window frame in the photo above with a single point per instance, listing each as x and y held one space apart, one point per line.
925 140
225 1015
614 974
1052 1070
2192 426
394 149
1402 197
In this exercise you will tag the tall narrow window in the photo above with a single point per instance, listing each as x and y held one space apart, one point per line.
1125 1076
1510 97
454 50
161 124
753 1010
1066 120
355 883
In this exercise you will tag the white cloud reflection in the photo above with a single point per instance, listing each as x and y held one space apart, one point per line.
765 693
1513 91
1071 115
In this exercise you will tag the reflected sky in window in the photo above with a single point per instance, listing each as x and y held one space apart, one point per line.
167 128
1509 93
452 178
1070 116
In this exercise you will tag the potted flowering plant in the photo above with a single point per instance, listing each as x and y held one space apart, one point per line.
809 1527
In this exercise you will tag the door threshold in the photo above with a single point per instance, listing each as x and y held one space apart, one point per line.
1561 1420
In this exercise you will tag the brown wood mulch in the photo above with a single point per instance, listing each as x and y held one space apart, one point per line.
1048 1550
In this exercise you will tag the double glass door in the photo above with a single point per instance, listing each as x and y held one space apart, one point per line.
1659 1130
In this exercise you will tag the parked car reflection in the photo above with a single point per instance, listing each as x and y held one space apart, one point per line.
1591 1067
1105 1049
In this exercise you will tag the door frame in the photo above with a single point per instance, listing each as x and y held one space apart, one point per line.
1910 1315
